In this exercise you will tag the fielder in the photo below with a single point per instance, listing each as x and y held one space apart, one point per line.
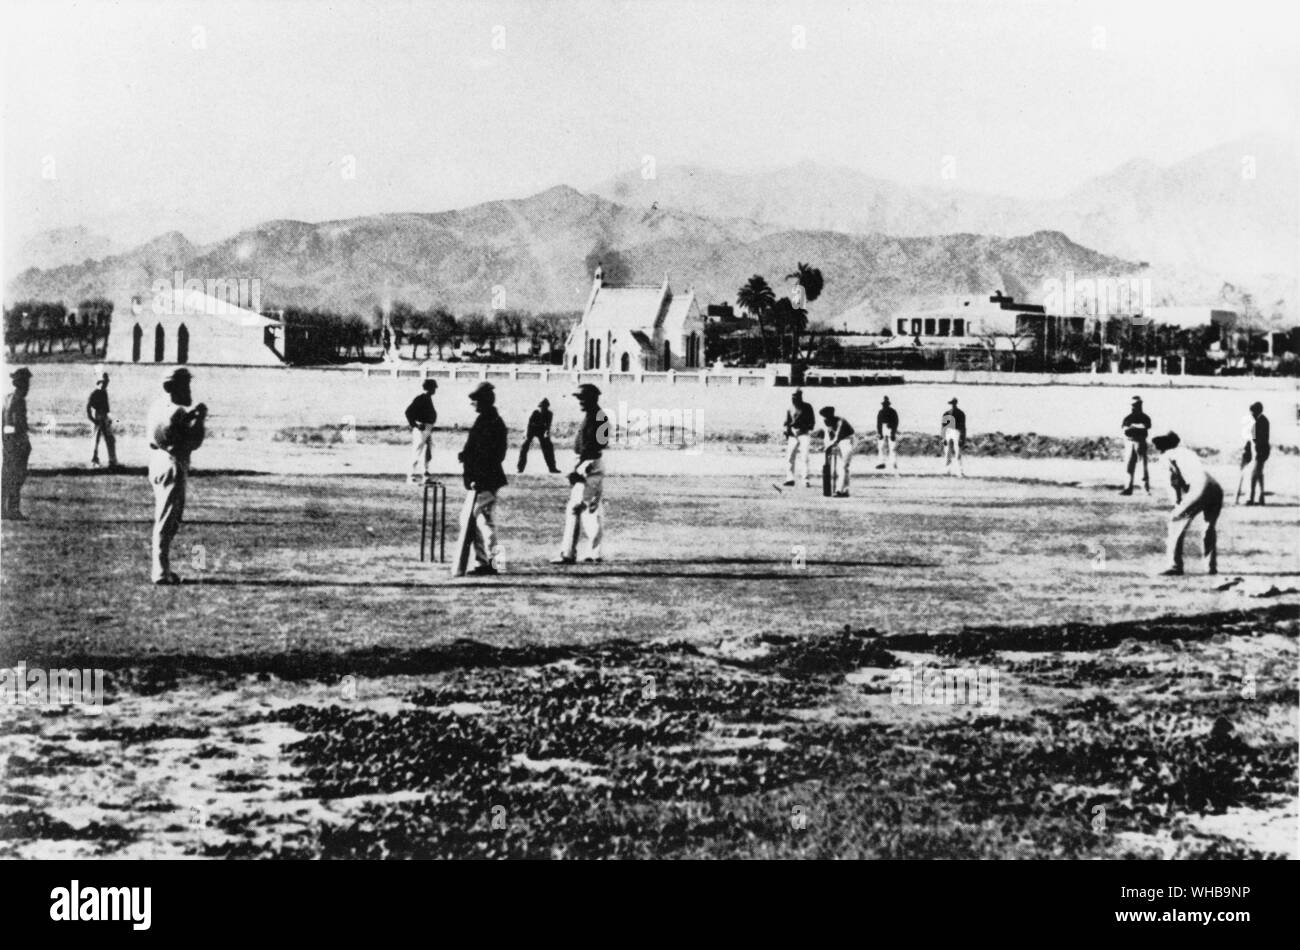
1136 426
539 428
585 508
485 451
952 428
1258 446
799 424
97 412
840 443
887 435
421 417
1195 492
17 446
175 431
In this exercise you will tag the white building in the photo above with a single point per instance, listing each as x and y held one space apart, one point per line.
188 326
974 320
637 328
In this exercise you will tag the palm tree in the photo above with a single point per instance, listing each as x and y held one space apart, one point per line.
810 279
757 299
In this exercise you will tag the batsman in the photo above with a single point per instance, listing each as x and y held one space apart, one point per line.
1195 493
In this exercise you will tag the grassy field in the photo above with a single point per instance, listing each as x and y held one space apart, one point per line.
720 686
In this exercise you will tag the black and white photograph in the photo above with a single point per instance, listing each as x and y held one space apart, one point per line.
616 429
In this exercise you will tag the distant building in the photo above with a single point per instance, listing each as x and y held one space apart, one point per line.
1190 317
188 326
959 321
637 328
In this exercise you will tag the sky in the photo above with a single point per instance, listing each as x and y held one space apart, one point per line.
137 117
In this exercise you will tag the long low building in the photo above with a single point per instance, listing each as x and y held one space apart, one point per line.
971 320
188 326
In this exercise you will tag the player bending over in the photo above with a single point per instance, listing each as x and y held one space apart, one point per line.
1195 492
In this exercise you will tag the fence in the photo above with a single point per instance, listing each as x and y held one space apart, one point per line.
490 371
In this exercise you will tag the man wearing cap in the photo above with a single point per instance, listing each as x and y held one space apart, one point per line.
585 509
175 430
1136 426
97 412
839 447
1257 444
887 435
539 428
421 416
799 424
485 450
17 446
1195 492
952 429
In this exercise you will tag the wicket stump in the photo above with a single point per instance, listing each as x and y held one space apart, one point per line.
437 538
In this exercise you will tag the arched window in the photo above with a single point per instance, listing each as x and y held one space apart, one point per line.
668 356
136 336
597 366
625 362
159 344
182 344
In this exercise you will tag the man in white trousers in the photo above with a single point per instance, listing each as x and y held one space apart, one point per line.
175 431
422 417
585 509
799 424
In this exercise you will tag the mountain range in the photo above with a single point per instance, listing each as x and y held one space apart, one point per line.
878 243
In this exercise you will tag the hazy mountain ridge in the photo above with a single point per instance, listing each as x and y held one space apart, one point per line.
539 253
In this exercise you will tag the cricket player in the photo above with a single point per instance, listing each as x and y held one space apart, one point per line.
17 446
840 443
1258 446
1195 492
175 431
799 424
539 428
585 508
421 417
1136 426
887 435
952 428
97 412
485 451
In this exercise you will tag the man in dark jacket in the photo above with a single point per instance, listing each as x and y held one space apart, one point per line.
1136 426
539 428
485 450
17 446
97 411
887 435
584 513
799 424
421 417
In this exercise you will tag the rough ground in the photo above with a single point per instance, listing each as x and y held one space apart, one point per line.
720 686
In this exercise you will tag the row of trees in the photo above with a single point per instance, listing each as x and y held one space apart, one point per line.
43 325
438 329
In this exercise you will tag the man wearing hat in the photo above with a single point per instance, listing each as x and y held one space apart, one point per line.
1257 444
485 450
421 416
1195 492
799 424
97 412
952 429
1136 426
175 430
17 446
539 428
585 509
839 447
887 435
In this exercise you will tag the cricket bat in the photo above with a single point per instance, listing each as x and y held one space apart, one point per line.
465 542
826 475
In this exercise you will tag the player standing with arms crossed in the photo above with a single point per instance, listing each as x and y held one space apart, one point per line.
799 424
952 429
97 411
175 431
586 481
1136 426
887 435
1195 492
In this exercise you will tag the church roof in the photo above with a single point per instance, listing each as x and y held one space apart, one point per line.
627 308
180 302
